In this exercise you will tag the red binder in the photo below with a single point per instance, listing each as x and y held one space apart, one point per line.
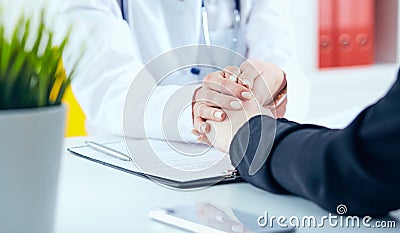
354 32
346 32
326 36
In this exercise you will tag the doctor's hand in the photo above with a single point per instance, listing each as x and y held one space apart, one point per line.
268 83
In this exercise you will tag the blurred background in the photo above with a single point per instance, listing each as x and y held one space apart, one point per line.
347 49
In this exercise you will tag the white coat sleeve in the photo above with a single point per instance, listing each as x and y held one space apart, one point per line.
269 37
107 68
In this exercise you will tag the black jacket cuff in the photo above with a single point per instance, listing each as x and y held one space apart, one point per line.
250 150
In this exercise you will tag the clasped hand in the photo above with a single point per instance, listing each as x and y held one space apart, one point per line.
229 98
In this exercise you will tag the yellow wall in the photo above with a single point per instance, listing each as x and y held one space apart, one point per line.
75 124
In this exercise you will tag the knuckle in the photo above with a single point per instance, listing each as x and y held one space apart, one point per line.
235 70
237 90
200 93
197 124
196 111
208 113
202 109
232 69
243 75
212 77
207 78
245 64
195 106
223 85
210 97
255 60
199 109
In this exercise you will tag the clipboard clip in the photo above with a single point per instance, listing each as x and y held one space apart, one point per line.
231 174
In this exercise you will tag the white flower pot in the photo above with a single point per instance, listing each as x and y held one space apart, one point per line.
31 143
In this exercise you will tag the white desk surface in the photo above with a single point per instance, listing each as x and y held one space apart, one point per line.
95 198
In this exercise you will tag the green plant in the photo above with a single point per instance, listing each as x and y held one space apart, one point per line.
31 74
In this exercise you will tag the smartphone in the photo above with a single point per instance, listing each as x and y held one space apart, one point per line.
210 218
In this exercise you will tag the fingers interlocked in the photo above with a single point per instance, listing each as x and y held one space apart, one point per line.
220 91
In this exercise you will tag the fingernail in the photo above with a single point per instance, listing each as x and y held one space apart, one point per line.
247 95
203 127
218 115
235 104
195 132
233 78
237 228
246 83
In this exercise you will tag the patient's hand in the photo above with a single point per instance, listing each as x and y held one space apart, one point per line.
265 79
222 91
221 133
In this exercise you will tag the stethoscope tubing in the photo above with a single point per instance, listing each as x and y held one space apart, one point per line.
204 19
236 23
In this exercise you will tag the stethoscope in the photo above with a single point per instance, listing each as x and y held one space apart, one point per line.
124 6
204 22
206 31
236 23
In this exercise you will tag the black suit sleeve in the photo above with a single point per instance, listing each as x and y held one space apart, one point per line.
358 166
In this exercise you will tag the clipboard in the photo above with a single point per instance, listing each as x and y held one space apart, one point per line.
222 174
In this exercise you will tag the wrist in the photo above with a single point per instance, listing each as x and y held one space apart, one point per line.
280 93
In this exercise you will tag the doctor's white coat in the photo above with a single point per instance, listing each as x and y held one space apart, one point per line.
115 52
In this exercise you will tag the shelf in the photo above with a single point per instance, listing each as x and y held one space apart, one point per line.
339 89
357 74
304 16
